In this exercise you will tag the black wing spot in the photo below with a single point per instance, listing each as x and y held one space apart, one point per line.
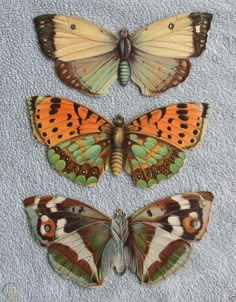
182 105
55 100
81 209
171 26
184 126
149 213
55 129
73 26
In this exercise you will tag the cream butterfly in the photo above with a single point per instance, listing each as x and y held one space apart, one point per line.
90 58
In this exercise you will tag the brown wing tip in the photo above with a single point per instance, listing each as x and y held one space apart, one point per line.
31 103
45 30
29 201
40 18
207 195
203 22
205 109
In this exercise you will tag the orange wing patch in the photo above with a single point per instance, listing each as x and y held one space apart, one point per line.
55 120
180 124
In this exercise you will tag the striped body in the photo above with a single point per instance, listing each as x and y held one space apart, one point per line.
124 72
120 232
117 151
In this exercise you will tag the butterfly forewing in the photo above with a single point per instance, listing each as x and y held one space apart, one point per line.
78 138
180 36
160 233
74 233
73 38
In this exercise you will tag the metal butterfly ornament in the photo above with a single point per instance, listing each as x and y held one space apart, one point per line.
84 244
83 144
90 58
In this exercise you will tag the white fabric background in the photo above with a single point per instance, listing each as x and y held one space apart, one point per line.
25 274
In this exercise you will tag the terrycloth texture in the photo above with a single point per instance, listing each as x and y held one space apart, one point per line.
25 274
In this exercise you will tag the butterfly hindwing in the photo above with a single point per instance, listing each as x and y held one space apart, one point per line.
155 74
78 138
161 231
155 141
75 234
150 161
91 75
84 159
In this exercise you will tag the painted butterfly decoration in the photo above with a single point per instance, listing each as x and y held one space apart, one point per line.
90 58
83 144
84 244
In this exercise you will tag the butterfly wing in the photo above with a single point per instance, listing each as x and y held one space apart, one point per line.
155 74
78 138
76 235
155 142
161 50
161 231
85 53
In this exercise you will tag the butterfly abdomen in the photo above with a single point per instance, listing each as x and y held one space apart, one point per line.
124 72
117 153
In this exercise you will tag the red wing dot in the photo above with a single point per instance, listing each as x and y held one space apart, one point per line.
159 67
100 282
85 70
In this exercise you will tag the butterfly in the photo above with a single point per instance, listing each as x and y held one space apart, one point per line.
90 58
83 144
84 244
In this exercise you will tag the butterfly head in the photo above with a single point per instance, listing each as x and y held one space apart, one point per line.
119 121
120 213
124 34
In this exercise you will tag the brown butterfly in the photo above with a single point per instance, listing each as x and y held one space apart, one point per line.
90 58
84 244
83 144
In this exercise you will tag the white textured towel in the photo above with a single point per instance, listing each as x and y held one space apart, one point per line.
25 274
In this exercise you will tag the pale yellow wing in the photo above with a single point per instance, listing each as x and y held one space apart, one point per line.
181 36
73 38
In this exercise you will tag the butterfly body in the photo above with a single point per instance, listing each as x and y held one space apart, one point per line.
117 137
84 244
125 48
120 233
83 144
90 58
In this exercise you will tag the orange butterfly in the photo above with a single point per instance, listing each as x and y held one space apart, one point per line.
90 58
83 144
